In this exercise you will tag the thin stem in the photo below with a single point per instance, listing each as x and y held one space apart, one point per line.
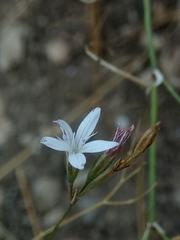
158 228
153 118
146 233
152 160
161 231
60 221
172 91
147 22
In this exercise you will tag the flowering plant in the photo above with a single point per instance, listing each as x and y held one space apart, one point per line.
75 145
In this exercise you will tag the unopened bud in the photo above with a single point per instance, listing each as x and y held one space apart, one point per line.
146 140
121 136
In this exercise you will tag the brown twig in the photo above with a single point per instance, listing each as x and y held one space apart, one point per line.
28 201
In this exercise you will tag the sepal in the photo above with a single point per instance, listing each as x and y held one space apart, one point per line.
100 165
71 171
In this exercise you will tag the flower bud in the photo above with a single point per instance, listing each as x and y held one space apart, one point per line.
121 136
146 140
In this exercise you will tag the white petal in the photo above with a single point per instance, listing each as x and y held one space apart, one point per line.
98 146
56 144
87 126
77 160
66 131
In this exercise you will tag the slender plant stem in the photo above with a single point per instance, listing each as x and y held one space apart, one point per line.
152 160
146 233
154 108
172 91
147 22
60 221
152 54
161 231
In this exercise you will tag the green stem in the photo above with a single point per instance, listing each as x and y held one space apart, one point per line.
59 223
147 22
146 233
172 91
153 118
152 160
158 228
161 231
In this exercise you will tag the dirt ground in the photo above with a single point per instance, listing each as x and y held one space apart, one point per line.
45 75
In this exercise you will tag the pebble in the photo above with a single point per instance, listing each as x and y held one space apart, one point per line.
51 217
86 202
12 45
122 121
46 192
58 51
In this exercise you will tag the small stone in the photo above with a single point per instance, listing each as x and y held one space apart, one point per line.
47 192
12 45
58 51
52 217
89 201
122 121
26 139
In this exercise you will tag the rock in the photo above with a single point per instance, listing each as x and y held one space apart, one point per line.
58 51
46 192
52 217
86 202
12 45
122 121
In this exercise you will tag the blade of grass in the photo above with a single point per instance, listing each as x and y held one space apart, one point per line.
154 109
172 91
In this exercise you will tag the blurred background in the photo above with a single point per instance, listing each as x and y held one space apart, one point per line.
45 75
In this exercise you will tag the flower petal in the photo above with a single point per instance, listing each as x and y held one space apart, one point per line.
98 146
77 160
56 144
87 126
121 136
66 131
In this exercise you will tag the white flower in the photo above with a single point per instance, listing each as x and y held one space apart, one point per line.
75 144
